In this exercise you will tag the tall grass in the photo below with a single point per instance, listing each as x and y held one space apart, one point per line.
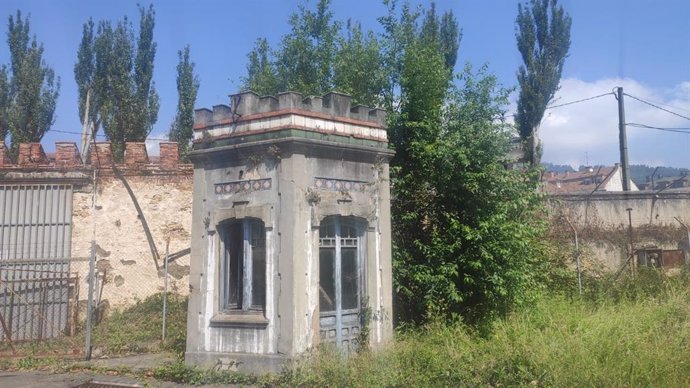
137 329
634 332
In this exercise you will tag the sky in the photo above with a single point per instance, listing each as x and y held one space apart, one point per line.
640 45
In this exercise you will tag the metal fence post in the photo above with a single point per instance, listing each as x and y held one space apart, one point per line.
89 302
165 286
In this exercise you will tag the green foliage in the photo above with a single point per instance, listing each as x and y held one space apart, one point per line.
29 91
358 66
318 56
443 32
304 60
543 39
261 75
117 71
466 230
181 129
4 102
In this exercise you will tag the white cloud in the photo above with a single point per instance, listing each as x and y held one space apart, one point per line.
588 131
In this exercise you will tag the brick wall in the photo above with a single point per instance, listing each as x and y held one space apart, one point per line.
67 156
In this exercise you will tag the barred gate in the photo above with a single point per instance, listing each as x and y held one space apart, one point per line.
36 288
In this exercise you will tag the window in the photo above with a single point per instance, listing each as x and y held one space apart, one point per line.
243 265
339 264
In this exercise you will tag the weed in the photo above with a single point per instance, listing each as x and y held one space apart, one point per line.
181 373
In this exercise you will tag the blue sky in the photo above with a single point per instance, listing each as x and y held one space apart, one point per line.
641 45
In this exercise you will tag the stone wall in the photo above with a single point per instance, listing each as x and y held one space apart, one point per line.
163 190
601 221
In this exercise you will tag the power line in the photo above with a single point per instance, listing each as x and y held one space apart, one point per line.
658 107
570 102
667 129
103 136
579 101
669 105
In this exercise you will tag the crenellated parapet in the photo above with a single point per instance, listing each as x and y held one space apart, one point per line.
290 114
31 156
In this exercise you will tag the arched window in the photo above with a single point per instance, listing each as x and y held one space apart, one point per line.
243 265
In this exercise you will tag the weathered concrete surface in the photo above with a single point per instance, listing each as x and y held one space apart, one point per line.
137 363
34 379
601 220
291 163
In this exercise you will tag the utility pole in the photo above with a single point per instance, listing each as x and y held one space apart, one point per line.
86 132
623 139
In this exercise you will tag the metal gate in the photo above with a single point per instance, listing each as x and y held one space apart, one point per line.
35 244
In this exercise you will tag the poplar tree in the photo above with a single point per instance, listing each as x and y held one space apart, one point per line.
358 66
116 70
261 74
29 91
4 102
303 62
181 129
543 39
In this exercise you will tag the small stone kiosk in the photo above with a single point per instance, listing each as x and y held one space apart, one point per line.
291 231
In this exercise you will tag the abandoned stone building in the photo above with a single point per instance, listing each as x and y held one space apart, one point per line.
290 242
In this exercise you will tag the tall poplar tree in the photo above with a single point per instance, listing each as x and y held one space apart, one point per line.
543 39
181 129
116 70
358 66
4 102
30 90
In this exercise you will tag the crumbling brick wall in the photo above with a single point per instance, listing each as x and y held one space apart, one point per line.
163 189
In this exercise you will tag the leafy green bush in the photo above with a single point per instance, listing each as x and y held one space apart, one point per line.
467 231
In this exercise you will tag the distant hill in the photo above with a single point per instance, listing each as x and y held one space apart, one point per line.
640 172
557 168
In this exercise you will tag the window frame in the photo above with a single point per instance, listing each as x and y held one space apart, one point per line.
244 291
359 226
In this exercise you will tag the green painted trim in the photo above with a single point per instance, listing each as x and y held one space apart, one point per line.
286 133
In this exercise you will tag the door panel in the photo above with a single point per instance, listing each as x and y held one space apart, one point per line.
340 285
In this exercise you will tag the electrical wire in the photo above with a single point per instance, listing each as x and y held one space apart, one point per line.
667 129
669 106
103 136
571 102
578 101
657 106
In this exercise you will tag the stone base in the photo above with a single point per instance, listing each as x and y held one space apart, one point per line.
238 362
